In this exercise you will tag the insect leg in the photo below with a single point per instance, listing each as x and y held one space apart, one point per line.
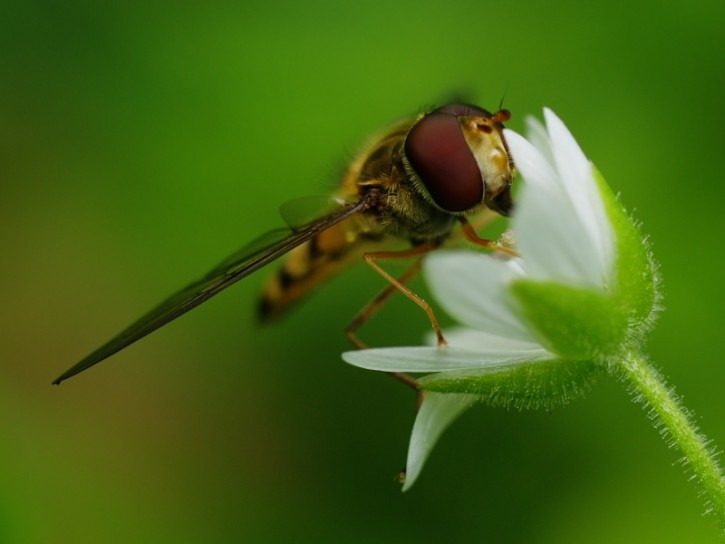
484 219
472 236
395 284
374 305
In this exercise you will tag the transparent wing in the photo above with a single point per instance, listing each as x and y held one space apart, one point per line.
300 212
250 258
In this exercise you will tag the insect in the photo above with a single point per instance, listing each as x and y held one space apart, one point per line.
413 183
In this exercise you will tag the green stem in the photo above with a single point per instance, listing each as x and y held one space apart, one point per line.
649 388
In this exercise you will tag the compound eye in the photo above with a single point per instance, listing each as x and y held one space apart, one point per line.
440 155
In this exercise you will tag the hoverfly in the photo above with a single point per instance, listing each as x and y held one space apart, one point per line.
412 183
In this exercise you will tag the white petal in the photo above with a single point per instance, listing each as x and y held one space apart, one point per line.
531 162
442 359
474 340
537 135
435 415
577 176
472 287
550 235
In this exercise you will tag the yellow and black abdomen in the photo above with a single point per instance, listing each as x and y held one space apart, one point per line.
310 265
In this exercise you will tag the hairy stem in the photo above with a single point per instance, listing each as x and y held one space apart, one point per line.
649 389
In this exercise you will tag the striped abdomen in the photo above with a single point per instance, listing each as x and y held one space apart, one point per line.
306 267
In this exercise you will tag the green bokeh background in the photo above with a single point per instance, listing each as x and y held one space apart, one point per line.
142 143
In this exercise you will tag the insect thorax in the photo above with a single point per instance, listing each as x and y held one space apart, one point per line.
401 211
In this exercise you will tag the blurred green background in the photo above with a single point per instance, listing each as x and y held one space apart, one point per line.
142 143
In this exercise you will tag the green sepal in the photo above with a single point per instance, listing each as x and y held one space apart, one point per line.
524 386
636 282
575 323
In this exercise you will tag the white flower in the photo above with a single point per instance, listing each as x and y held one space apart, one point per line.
535 326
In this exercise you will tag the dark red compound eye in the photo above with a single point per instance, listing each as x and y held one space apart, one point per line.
440 156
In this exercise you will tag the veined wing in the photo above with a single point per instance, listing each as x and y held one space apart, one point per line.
300 212
250 258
